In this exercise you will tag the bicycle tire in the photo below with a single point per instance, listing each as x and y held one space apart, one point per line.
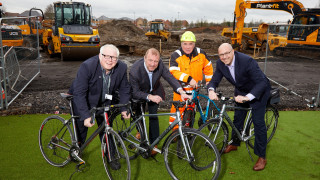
205 163
120 125
53 154
271 120
118 153
209 129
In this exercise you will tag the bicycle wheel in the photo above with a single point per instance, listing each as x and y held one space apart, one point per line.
204 158
210 129
55 140
121 125
271 120
115 156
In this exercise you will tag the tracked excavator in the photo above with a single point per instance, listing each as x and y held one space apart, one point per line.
305 39
242 38
71 35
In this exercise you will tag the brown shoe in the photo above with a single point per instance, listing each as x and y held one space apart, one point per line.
230 148
261 163
138 136
153 152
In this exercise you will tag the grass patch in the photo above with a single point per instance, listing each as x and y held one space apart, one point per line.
293 153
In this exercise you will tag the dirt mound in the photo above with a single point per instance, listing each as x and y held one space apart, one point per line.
118 30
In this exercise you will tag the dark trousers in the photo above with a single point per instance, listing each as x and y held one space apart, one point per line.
260 130
153 121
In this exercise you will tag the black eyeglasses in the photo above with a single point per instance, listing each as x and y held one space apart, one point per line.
112 58
225 54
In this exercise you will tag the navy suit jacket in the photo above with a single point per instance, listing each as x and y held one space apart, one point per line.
140 83
249 79
88 84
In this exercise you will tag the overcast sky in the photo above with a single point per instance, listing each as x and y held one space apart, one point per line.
190 10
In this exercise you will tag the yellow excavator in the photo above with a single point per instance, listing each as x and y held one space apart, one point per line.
157 31
71 34
243 38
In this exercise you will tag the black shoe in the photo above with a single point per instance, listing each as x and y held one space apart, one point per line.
115 165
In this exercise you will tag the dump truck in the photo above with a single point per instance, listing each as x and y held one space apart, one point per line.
31 29
71 34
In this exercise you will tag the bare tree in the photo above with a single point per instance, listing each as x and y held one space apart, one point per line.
48 13
318 6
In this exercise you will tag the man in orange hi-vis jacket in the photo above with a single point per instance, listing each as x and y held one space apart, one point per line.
188 64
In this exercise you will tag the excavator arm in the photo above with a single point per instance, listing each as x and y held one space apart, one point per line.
290 6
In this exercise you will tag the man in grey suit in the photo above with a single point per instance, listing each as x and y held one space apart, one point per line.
144 78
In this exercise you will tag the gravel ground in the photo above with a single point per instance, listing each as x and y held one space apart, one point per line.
43 94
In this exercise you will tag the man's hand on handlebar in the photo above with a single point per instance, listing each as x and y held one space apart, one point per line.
87 122
213 95
241 99
193 83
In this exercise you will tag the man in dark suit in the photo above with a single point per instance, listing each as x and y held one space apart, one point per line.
252 88
144 78
96 83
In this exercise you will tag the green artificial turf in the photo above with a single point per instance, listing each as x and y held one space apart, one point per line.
293 153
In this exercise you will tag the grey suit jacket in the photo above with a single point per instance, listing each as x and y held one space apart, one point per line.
140 84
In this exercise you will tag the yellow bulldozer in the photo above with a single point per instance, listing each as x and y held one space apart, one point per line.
71 34
157 31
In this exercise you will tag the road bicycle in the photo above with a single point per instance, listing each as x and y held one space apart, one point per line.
209 111
197 158
58 142
219 132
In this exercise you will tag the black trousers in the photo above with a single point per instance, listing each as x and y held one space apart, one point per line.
260 130
153 121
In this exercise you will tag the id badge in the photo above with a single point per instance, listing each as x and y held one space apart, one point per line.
108 96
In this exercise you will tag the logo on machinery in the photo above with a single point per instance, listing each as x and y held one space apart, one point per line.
268 6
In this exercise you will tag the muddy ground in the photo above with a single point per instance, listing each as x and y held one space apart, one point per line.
299 75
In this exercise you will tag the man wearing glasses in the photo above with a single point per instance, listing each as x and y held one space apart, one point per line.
97 81
252 88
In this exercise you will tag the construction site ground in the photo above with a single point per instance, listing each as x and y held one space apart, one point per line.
300 75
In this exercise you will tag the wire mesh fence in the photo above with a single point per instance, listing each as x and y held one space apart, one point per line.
19 64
